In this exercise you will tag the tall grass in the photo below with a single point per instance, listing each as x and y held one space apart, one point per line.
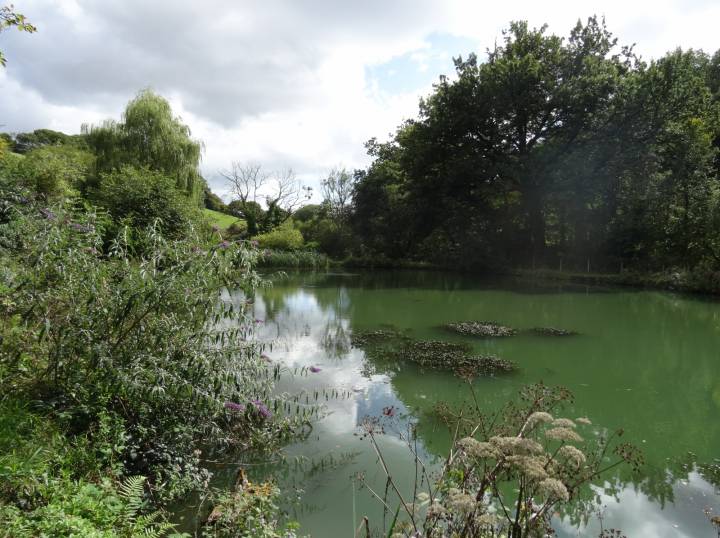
305 259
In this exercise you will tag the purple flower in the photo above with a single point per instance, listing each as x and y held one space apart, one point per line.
261 408
224 244
48 214
254 243
235 407
315 369
82 228
259 321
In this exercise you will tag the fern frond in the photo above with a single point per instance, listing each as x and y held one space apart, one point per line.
132 490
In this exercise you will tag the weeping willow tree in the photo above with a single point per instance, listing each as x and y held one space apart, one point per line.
148 135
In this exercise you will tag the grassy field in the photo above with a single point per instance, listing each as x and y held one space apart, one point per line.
221 219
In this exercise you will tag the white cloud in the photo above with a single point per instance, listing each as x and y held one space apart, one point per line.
283 83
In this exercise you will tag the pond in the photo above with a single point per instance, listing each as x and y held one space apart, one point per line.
644 361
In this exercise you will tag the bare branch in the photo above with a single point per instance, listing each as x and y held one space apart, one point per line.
245 180
287 191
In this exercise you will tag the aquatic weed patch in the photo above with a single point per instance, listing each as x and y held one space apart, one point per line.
377 337
454 356
482 329
551 331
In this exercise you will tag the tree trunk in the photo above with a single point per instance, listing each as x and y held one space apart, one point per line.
535 227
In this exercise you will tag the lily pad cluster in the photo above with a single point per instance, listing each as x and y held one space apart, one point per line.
483 329
376 337
454 356
395 346
491 329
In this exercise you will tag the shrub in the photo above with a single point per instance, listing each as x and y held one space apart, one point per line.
138 198
237 230
146 340
284 237
56 171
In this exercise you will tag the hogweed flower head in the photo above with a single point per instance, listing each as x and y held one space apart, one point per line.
555 489
460 502
436 510
563 423
583 420
539 417
530 466
563 434
573 454
476 449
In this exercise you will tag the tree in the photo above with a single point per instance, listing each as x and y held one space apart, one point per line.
10 19
509 162
337 190
286 193
245 180
149 136
282 191
546 96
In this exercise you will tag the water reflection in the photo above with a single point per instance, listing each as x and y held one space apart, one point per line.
645 361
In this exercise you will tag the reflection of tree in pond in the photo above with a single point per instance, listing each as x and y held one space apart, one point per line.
336 339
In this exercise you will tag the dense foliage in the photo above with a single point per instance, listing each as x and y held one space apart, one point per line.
550 152
127 349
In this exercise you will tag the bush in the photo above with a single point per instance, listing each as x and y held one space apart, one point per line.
138 197
52 486
144 340
284 237
56 171
237 230
10 166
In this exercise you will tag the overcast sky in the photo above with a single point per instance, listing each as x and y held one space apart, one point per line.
287 83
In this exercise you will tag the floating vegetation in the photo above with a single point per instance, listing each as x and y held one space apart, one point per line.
376 337
454 356
485 365
551 331
390 347
483 329
435 353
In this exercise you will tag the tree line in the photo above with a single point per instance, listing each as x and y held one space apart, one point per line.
550 152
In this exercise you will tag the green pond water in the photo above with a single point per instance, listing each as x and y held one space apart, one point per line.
645 361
